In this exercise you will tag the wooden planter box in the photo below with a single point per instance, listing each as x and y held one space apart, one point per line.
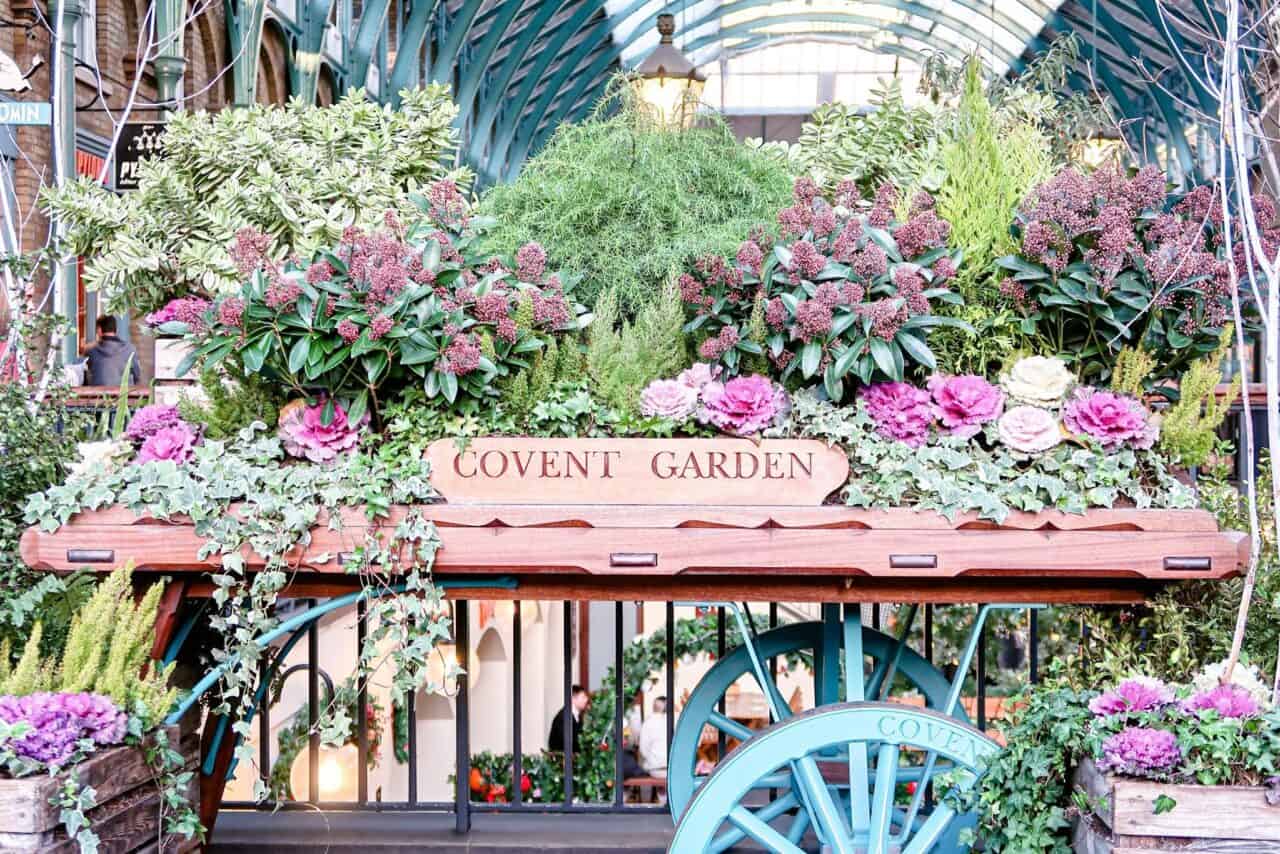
126 819
1234 819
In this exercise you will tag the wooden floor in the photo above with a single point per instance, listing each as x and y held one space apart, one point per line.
260 833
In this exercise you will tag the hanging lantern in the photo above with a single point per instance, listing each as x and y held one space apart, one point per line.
338 775
667 81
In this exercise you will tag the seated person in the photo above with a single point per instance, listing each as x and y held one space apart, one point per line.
109 356
653 740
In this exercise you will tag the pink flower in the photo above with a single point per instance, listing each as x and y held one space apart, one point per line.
1136 694
813 319
1028 429
750 257
230 312
348 330
176 443
149 420
305 434
901 411
1229 701
531 262
188 310
963 404
379 326
1140 751
462 356
744 405
1110 418
807 260
699 374
671 399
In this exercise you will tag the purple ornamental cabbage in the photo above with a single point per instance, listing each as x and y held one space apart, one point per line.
59 722
1136 694
1140 752
744 405
1229 701
176 443
963 404
150 419
900 410
1112 419
306 436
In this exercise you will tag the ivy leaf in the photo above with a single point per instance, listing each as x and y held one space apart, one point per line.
1162 805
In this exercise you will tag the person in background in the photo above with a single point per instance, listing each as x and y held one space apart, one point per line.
570 717
653 740
109 356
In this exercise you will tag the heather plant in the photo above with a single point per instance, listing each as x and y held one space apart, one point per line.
387 309
629 204
107 652
227 405
625 356
1189 431
846 289
1133 366
1102 266
314 172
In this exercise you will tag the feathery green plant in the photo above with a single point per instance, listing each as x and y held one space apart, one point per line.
623 357
1133 366
629 204
107 651
1189 431
229 407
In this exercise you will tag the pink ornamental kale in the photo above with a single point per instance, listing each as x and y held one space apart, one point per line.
150 419
1028 429
699 374
964 403
1112 419
1140 752
744 405
177 443
900 411
306 436
1229 701
58 722
671 399
1136 694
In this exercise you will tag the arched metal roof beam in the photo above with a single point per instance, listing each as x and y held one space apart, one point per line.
487 108
408 47
459 26
469 77
577 51
373 23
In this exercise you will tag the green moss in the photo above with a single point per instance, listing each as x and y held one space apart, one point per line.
628 205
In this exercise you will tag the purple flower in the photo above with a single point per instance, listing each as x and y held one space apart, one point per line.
1029 429
150 419
188 310
1229 701
1136 694
671 399
1110 418
531 262
176 443
1140 751
306 435
901 411
58 722
743 406
807 260
964 403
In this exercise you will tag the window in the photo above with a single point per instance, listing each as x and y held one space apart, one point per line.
87 33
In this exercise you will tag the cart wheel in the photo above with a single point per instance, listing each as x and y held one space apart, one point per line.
847 804
701 709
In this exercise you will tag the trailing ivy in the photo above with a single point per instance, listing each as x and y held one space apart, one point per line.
241 499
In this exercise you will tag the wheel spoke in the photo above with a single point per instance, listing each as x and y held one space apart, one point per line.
766 814
801 823
929 832
859 806
729 726
761 832
824 812
922 785
882 800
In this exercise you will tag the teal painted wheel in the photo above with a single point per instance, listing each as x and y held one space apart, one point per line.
810 760
913 673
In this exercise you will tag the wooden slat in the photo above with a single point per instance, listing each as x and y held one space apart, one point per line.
1209 812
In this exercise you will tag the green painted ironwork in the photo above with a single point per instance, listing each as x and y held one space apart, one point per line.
478 62
304 65
408 46
244 32
372 26
459 26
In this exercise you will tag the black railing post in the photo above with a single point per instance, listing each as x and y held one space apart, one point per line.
720 705
671 675
462 724
928 633
362 701
517 768
982 675
619 686
1033 647
569 725
313 710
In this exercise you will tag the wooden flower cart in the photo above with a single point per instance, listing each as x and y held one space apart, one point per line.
736 522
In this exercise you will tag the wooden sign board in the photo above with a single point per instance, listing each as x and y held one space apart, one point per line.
517 470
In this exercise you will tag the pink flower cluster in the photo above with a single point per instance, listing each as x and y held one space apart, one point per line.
1229 701
900 410
1136 694
188 310
965 403
1111 419
161 434
57 723
1140 752
961 405
306 436
743 406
